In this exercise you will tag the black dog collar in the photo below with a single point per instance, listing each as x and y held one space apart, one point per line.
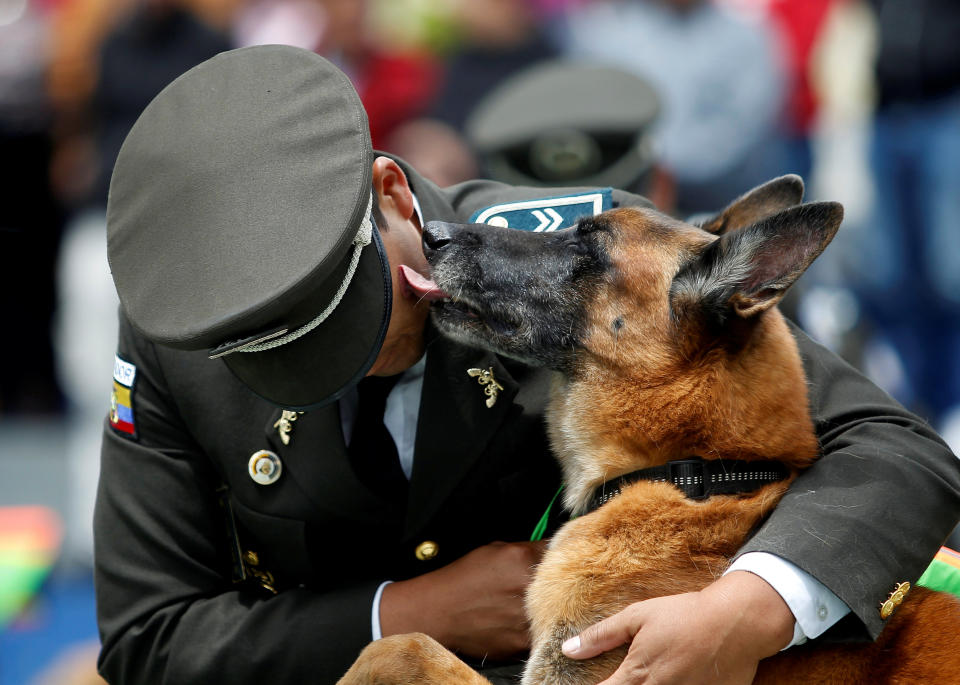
698 478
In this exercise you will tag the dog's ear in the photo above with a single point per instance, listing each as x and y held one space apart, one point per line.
754 205
745 272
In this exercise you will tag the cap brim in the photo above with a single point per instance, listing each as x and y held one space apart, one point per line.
322 365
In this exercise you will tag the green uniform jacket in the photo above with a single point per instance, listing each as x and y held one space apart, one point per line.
871 513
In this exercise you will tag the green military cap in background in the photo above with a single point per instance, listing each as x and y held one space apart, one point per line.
565 122
239 222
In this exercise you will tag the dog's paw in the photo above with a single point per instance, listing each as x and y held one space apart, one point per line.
408 659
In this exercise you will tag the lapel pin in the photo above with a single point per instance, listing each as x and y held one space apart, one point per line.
264 467
284 424
491 387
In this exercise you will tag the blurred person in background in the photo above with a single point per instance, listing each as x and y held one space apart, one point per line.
394 85
720 80
300 23
908 271
822 134
145 47
798 26
492 40
497 39
839 74
438 151
30 217
156 42
568 123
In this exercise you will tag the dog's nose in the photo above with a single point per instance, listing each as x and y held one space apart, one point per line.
436 235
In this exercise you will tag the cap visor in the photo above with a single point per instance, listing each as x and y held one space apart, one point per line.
320 366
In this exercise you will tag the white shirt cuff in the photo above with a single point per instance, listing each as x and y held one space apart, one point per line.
813 605
375 611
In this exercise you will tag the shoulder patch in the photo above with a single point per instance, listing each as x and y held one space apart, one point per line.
546 214
121 399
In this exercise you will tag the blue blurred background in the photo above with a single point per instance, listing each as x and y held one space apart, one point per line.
859 97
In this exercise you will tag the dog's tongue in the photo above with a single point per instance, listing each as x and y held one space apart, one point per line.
423 288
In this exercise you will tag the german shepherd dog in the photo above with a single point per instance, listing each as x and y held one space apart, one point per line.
669 334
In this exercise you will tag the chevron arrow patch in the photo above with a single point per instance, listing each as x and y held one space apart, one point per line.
545 215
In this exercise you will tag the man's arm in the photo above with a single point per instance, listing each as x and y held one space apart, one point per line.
870 513
167 609
717 635
169 612
873 511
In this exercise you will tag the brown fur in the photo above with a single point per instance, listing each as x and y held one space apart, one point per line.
410 659
651 386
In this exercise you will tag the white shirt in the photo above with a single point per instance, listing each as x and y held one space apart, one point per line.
813 605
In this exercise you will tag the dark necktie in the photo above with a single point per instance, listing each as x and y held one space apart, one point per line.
373 453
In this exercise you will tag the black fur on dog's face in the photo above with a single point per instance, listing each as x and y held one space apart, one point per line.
517 293
631 289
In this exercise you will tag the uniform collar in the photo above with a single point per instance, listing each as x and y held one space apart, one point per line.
453 429
454 425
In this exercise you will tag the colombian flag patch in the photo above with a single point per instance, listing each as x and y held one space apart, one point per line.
121 399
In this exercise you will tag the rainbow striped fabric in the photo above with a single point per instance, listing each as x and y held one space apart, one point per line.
29 543
943 572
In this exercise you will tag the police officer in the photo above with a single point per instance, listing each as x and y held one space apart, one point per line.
542 127
294 463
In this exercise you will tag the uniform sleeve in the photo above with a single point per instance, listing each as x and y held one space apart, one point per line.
875 508
167 609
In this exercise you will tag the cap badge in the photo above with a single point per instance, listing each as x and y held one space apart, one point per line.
284 424
491 387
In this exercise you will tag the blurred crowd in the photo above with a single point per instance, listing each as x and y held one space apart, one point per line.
859 97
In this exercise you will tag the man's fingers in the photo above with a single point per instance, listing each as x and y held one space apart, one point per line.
601 637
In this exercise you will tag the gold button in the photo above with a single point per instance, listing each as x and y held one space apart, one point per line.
427 550
251 558
894 600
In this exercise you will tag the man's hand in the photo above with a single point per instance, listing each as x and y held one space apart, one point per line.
473 606
717 635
